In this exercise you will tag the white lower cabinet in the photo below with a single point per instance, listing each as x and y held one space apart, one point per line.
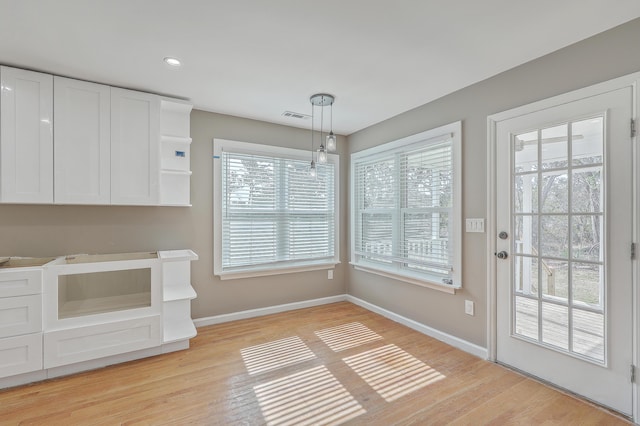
68 314
20 354
79 344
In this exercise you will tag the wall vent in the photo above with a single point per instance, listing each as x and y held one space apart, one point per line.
296 115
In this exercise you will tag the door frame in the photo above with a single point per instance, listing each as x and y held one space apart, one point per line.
631 80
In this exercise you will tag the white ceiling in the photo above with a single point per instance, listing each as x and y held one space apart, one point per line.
258 58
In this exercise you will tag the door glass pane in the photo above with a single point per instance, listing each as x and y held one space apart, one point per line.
587 282
526 193
555 279
585 237
586 190
554 236
588 334
525 147
558 228
554 147
526 313
555 325
525 275
587 141
526 235
555 192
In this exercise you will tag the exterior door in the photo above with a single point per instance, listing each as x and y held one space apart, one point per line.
564 269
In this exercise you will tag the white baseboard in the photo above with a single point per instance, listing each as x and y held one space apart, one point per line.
454 341
252 313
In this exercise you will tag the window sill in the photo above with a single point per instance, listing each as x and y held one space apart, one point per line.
415 281
252 273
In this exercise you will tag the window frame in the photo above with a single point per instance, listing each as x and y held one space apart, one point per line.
392 149
220 145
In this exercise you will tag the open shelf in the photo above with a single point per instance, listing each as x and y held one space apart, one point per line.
179 330
99 305
179 293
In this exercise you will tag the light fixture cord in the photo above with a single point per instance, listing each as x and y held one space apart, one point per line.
312 118
321 119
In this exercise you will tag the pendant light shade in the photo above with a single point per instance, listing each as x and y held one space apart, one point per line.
331 142
321 100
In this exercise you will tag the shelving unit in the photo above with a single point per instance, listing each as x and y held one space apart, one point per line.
177 295
175 152
72 313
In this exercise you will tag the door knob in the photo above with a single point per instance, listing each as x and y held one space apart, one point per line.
502 255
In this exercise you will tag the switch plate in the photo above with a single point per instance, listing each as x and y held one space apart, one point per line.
468 307
474 225
330 274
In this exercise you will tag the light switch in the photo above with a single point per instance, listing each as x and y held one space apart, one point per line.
474 225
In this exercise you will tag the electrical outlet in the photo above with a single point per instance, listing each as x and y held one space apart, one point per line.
330 274
468 307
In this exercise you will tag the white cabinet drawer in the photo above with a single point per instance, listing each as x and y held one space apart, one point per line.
20 354
20 315
97 341
20 283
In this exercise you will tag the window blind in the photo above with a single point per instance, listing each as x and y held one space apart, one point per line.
274 213
403 207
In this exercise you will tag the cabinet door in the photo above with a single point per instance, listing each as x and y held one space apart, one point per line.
82 142
135 158
20 354
26 137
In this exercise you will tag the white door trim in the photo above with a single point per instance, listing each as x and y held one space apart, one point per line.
632 80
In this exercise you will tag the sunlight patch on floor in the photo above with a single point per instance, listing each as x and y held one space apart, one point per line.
347 336
276 354
310 397
392 372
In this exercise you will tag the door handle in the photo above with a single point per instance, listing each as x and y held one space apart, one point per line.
502 255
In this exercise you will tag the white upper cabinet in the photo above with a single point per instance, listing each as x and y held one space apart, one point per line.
82 134
67 141
26 136
135 158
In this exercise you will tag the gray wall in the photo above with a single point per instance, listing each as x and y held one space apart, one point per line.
600 58
218 297
42 230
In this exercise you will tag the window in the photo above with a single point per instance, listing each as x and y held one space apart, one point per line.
405 210
270 215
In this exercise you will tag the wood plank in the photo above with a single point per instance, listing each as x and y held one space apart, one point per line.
210 383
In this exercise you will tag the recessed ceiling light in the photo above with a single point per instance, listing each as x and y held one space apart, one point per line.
172 61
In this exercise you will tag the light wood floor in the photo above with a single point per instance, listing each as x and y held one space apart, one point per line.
331 364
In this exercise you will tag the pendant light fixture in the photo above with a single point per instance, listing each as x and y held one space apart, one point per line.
321 100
